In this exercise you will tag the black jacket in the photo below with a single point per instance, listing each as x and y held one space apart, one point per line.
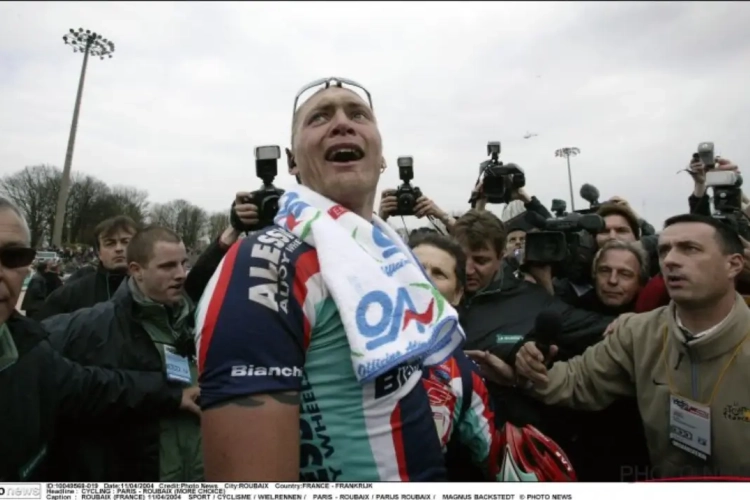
42 386
86 291
203 270
114 450
500 319
81 272
36 293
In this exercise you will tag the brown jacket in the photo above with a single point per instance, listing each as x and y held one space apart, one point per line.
631 362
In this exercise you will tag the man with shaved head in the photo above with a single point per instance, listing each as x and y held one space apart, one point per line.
304 373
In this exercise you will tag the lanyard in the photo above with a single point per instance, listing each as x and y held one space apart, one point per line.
723 371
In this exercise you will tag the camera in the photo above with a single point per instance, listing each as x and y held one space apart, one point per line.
566 243
706 154
559 208
406 194
267 197
727 200
499 181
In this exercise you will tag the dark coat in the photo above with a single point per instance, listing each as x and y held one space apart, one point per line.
42 386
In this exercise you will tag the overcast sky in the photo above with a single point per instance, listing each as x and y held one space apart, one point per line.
194 87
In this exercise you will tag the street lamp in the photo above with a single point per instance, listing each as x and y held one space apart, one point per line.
567 153
88 43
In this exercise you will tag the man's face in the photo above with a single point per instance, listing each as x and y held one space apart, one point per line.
12 234
481 266
695 270
617 278
617 228
112 250
163 278
338 120
441 268
516 241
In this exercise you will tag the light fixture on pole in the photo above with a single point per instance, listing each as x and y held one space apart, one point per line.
567 153
87 43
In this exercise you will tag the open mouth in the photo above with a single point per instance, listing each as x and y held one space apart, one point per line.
675 280
344 153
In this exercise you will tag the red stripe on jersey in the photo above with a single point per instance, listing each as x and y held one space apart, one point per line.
398 442
479 387
214 305
305 267
336 211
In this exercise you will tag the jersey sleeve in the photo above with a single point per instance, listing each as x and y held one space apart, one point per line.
250 326
476 422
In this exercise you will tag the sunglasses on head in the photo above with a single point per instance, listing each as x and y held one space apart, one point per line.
15 257
331 81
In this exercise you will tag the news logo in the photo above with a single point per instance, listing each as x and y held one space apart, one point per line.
16 491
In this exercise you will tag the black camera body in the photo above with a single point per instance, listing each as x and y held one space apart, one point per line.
267 197
499 180
567 243
406 194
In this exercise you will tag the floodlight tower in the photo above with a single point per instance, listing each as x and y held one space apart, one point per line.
87 43
567 153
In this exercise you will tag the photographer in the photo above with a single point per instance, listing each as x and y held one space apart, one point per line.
699 200
530 203
424 207
620 224
500 309
646 229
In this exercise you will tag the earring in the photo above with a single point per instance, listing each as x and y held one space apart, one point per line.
383 166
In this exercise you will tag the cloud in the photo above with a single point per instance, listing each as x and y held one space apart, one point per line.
194 87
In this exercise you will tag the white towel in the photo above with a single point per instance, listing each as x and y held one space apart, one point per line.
391 311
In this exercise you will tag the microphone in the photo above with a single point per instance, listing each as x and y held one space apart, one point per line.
548 328
590 193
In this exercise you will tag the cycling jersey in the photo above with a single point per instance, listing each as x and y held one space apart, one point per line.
266 323
462 410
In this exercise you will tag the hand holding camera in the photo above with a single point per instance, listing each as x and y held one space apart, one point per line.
247 213
500 182
264 201
406 194
388 203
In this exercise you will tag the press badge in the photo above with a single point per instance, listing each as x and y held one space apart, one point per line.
178 367
690 427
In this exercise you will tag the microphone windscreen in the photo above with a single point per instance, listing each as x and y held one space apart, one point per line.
589 192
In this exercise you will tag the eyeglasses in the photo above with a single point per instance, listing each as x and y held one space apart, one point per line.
15 257
332 81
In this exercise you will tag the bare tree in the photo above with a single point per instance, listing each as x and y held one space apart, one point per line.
84 208
217 223
184 218
131 201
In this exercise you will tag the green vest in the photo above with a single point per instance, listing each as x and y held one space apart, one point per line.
180 453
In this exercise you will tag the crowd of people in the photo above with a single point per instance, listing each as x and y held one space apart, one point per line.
327 347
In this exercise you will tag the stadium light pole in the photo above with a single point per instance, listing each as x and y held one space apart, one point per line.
567 153
89 44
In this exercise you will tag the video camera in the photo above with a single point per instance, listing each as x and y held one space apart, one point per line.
267 197
566 243
499 181
406 194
